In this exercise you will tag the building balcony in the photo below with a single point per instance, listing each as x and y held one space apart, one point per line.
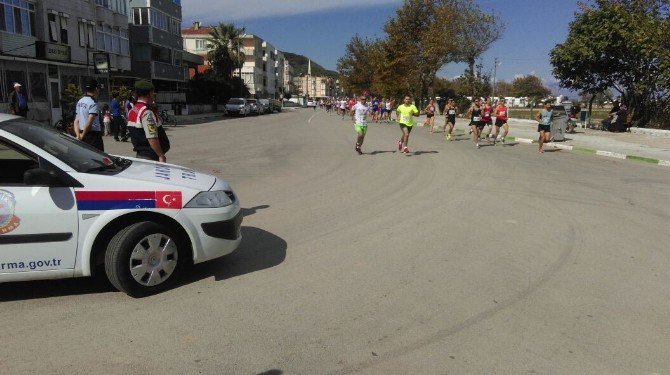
167 72
17 45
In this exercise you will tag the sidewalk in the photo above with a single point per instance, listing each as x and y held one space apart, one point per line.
187 119
651 146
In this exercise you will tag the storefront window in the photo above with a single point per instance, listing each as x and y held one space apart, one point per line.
12 76
38 86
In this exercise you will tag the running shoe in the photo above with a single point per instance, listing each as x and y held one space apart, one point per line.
448 136
540 150
477 145
502 139
399 146
405 151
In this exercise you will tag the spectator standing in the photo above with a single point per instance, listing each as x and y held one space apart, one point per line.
18 101
87 125
118 120
106 120
146 133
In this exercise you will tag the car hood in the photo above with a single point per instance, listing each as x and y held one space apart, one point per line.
168 174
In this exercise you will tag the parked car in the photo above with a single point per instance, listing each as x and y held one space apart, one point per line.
67 209
265 105
237 107
254 108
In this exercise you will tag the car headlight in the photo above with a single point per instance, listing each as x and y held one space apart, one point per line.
211 199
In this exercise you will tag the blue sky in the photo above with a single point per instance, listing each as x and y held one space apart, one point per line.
321 29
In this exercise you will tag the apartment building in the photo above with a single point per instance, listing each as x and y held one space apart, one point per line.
265 71
314 87
288 73
195 42
47 44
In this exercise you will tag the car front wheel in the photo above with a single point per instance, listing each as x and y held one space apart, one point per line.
144 258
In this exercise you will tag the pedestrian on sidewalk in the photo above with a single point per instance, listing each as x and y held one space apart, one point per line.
405 114
118 120
18 101
106 120
544 118
87 124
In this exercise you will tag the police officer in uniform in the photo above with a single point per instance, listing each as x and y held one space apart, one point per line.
146 133
87 122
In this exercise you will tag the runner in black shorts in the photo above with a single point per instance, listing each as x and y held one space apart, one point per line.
501 120
476 123
544 119
450 114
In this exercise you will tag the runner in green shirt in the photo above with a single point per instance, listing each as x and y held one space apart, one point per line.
406 113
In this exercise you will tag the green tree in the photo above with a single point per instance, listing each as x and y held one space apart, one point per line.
477 32
356 67
225 54
421 38
504 88
622 45
530 86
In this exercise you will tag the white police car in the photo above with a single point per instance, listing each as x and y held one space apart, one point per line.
66 208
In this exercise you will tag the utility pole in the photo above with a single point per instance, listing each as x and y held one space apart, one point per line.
495 70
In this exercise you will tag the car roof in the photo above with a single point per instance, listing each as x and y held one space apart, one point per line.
7 116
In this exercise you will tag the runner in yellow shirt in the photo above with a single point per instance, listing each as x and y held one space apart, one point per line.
405 113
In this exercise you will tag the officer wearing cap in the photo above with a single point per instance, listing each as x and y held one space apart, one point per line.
87 121
146 133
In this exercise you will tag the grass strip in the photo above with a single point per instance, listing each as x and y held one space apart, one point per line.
643 159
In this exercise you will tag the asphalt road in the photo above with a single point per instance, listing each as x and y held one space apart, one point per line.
450 260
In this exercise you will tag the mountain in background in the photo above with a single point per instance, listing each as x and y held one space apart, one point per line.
300 62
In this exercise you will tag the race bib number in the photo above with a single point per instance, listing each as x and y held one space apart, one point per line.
545 121
476 119
404 118
487 114
452 112
502 113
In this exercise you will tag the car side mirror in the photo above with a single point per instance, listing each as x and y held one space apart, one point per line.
40 177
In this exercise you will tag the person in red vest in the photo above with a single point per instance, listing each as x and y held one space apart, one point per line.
146 133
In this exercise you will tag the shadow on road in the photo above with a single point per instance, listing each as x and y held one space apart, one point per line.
252 210
379 152
424 152
259 250
271 372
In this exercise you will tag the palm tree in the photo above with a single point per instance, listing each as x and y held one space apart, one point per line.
224 53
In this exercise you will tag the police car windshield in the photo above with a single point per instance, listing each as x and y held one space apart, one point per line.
236 101
78 155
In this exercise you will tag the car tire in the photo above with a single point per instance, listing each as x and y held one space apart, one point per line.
144 258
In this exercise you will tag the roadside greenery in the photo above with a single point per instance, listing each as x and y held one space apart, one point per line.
423 36
622 45
218 84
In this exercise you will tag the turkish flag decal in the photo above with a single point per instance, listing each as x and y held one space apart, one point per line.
168 199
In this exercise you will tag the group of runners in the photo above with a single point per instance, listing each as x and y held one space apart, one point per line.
380 110
481 114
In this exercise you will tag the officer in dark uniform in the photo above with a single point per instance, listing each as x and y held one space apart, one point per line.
146 133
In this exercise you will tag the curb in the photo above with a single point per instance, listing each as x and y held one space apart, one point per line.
588 150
